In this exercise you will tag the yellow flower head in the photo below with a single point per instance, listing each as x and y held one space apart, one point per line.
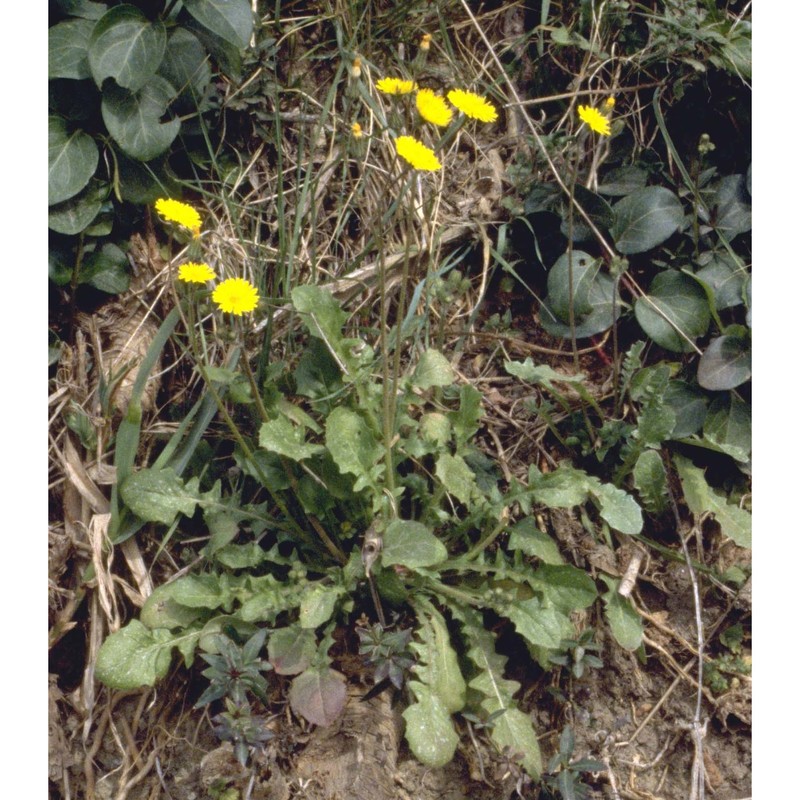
425 42
356 130
610 102
473 105
182 213
433 108
595 120
419 156
192 272
236 296
395 86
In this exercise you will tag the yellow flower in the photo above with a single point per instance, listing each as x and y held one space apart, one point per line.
595 120
236 296
425 42
395 86
433 108
192 272
182 213
419 156
473 105
355 129
610 102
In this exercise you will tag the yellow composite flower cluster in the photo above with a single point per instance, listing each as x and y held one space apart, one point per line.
434 109
417 154
234 295
181 213
595 119
193 272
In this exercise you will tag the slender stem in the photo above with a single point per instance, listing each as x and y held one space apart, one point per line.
489 538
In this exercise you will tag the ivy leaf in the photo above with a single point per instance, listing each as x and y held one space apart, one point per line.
134 119
72 160
728 426
689 405
646 218
318 695
185 64
231 20
68 49
725 364
127 47
134 656
76 214
411 544
682 304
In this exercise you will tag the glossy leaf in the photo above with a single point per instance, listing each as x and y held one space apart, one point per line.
728 426
646 218
689 405
106 269
318 695
134 120
185 65
76 214
604 311
72 160
682 304
725 279
231 20
598 210
584 272
126 46
411 544
731 212
68 49
623 181
725 363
